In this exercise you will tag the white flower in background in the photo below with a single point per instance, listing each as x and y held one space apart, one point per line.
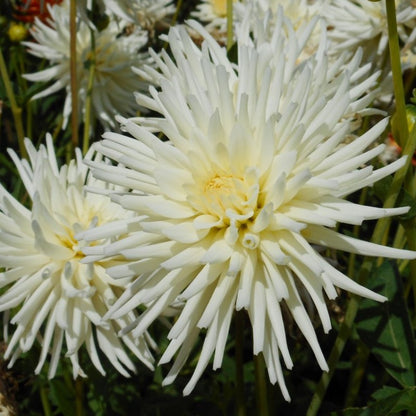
213 13
253 178
300 12
92 8
114 80
53 296
145 13
409 57
354 24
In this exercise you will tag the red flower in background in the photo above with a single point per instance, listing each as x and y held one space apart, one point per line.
26 10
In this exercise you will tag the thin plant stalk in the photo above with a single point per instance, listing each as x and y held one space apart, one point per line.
28 106
47 411
73 71
356 230
359 364
88 99
230 35
175 16
396 69
356 371
16 110
173 23
261 386
410 225
411 238
239 365
342 338
79 394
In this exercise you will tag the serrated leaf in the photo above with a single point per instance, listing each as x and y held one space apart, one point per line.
390 401
385 327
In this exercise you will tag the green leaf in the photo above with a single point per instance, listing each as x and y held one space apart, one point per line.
389 401
385 327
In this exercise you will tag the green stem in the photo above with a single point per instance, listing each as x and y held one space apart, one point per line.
229 24
79 396
29 104
261 386
410 225
411 241
175 16
342 338
359 363
47 411
88 99
16 110
396 69
356 231
399 238
239 347
73 71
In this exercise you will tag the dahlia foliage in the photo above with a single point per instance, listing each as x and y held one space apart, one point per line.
228 172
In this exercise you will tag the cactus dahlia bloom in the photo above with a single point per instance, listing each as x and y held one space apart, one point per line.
355 24
114 80
51 295
253 178
301 13
145 13
213 13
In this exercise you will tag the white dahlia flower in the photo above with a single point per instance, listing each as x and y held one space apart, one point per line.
213 13
252 179
301 13
51 295
145 13
354 24
114 80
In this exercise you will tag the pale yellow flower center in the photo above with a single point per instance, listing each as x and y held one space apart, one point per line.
71 242
220 184
224 192
220 7
234 201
